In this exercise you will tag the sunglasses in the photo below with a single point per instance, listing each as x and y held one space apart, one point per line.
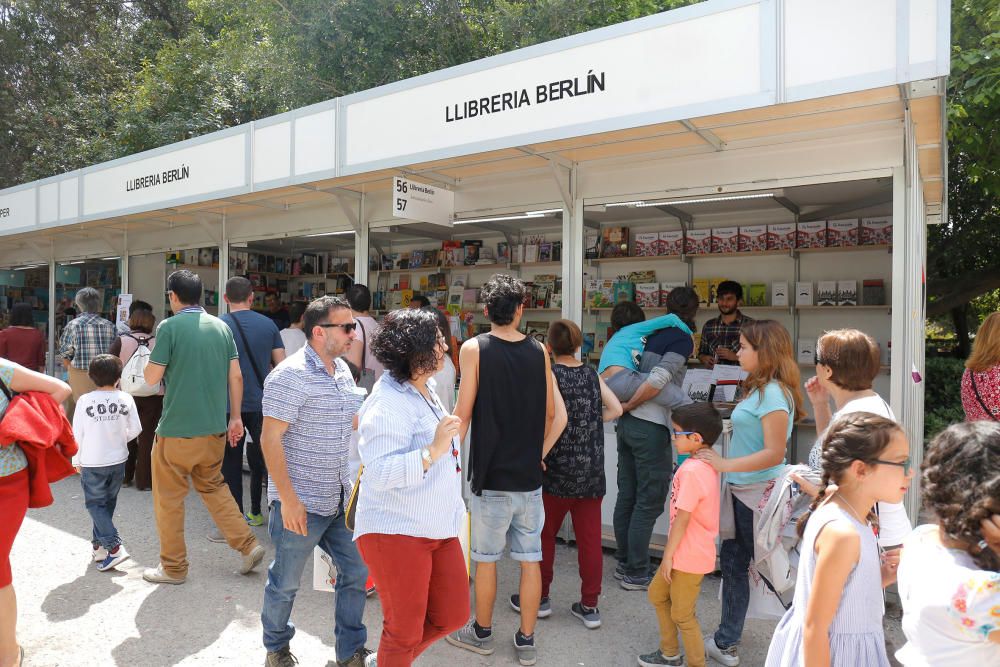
348 328
905 465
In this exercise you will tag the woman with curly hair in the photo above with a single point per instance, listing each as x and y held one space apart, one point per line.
981 380
949 573
410 505
762 424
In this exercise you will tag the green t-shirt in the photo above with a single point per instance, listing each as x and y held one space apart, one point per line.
196 349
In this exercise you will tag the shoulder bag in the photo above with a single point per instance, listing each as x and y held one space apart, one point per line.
975 389
246 346
352 502
367 375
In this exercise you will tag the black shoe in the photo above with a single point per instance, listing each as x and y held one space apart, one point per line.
639 583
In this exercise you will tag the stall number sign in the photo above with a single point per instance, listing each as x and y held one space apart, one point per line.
422 202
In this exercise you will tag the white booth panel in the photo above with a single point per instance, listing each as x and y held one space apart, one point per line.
828 41
619 77
315 142
923 30
69 198
48 203
147 277
198 169
272 145
17 210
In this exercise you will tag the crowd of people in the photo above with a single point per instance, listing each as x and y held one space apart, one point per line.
355 428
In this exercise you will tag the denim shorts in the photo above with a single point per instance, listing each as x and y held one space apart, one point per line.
502 516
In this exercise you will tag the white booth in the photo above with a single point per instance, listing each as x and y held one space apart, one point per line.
723 119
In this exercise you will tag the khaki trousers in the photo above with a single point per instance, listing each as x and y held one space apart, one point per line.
81 384
675 604
175 460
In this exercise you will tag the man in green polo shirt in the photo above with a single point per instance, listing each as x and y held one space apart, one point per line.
196 358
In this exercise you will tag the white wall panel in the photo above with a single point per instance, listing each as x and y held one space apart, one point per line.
923 30
17 210
69 198
315 142
272 145
48 203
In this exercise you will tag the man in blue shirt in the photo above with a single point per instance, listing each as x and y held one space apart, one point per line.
260 347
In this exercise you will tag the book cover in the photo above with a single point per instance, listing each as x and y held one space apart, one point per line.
779 293
472 252
826 293
841 233
806 351
614 242
665 289
646 244
191 257
645 276
405 296
204 257
269 263
591 246
756 295
725 239
215 257
647 295
424 283
623 291
404 281
804 294
555 301
599 293
847 292
557 251
811 234
503 252
752 238
781 236
701 287
469 296
544 252
416 258
530 253
873 292
279 264
876 231
713 289
670 242
698 242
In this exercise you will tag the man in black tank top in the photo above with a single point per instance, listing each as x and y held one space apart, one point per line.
507 396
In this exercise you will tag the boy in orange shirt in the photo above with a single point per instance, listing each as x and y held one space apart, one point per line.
690 551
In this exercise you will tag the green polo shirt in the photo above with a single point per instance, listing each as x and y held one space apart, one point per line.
196 349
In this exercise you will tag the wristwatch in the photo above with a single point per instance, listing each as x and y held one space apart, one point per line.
425 454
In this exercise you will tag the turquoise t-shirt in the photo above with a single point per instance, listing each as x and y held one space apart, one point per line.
12 459
626 346
748 431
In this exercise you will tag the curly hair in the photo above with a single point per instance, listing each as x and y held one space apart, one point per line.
857 436
406 344
961 484
502 294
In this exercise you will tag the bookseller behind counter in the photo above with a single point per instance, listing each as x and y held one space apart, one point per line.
720 336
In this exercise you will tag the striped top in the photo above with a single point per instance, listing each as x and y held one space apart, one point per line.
12 459
397 496
85 337
319 409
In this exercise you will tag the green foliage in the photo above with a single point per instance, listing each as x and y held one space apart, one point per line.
942 394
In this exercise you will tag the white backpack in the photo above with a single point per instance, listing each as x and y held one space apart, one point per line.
133 379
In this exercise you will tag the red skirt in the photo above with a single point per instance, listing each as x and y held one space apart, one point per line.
13 507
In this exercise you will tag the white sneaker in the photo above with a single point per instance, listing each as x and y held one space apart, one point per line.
99 553
723 656
113 558
156 575
251 560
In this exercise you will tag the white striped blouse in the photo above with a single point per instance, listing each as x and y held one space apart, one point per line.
397 496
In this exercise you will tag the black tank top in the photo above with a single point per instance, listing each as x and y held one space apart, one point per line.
508 418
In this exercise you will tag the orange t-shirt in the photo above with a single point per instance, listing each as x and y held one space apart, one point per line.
695 489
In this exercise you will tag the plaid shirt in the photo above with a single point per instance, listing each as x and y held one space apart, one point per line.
85 337
716 334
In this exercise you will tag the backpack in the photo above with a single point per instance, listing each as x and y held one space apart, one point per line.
133 380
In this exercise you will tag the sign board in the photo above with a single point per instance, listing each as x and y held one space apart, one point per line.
422 202
17 210
124 301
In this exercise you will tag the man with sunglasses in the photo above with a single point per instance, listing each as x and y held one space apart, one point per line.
309 406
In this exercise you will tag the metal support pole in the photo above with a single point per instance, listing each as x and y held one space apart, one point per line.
223 265
361 245
50 366
572 253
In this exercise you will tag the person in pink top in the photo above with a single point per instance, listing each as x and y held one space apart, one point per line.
690 551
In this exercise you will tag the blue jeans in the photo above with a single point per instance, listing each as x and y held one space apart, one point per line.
735 557
100 493
291 551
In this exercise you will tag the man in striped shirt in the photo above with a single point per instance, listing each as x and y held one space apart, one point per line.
310 401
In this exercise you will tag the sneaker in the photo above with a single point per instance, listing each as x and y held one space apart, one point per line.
723 656
114 557
639 583
657 658
281 658
591 616
99 553
156 575
363 657
370 591
467 638
544 607
216 536
254 519
251 560
619 571
525 647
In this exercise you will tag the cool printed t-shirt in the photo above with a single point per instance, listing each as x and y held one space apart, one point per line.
103 423
263 337
196 349
748 431
695 489
950 606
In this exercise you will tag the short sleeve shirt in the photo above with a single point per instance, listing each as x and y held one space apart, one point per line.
695 489
748 430
263 337
12 459
196 349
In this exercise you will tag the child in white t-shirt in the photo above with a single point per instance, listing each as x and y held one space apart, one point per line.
949 577
104 422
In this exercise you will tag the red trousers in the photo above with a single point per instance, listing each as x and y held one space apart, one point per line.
13 507
424 589
586 515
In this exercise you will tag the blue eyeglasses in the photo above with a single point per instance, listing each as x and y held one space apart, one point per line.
678 434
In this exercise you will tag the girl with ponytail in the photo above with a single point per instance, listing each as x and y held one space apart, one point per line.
836 616
952 617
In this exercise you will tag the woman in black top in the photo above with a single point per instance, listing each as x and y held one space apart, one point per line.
574 477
